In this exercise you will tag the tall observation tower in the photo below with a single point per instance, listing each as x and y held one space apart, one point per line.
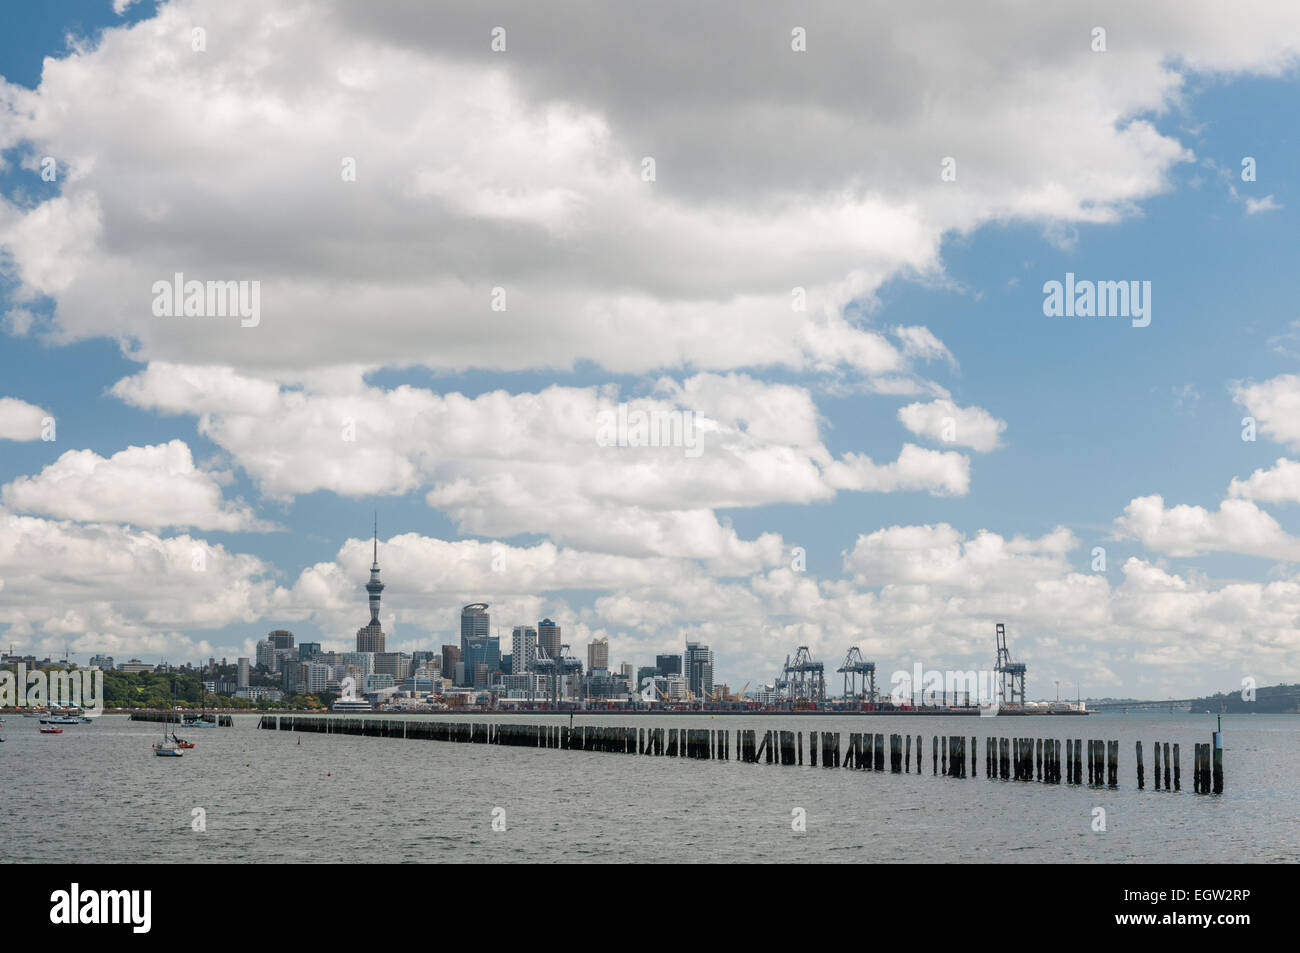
370 638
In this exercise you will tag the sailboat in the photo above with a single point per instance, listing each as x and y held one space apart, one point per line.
168 749
199 721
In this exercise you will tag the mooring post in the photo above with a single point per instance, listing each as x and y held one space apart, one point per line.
943 755
935 751
907 757
1218 757
1178 770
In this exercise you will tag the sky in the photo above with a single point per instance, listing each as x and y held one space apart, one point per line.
822 238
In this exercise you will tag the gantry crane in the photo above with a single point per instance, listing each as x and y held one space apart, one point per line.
1012 674
856 666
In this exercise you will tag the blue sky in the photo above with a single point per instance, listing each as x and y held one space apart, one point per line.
1097 413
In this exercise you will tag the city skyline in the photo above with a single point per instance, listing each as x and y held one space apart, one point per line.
607 346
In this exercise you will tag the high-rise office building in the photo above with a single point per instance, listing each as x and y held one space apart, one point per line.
102 662
698 662
481 659
598 654
318 675
450 656
396 664
669 664
370 637
281 639
266 655
477 646
523 650
474 621
548 638
308 650
243 673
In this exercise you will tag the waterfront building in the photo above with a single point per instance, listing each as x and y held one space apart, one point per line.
257 693
528 685
602 684
370 637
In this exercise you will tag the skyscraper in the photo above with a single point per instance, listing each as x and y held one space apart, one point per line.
370 637
598 654
523 650
669 664
450 656
698 662
266 654
243 673
548 638
479 651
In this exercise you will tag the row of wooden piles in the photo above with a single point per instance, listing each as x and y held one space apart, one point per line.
1020 759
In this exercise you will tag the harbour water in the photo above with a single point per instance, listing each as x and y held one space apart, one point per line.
97 794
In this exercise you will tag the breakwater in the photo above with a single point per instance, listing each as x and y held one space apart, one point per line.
175 717
1044 760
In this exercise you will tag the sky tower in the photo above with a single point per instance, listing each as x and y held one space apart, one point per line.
370 637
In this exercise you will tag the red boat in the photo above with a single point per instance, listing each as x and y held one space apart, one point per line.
46 730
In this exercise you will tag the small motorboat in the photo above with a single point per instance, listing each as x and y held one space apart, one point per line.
60 720
47 730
